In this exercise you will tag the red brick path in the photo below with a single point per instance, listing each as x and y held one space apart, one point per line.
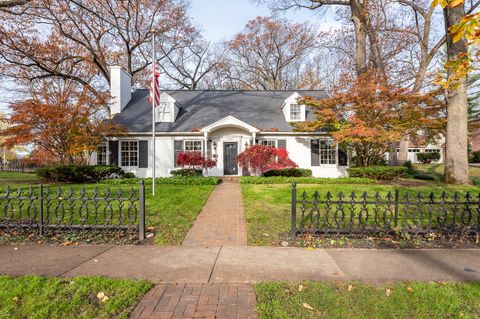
197 301
222 220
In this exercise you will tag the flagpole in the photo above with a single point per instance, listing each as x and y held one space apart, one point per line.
154 81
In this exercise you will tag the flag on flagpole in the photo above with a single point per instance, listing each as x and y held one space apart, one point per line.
155 87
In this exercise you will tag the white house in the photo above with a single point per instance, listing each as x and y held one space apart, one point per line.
220 124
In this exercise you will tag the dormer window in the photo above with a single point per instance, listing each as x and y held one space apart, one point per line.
292 110
295 112
164 112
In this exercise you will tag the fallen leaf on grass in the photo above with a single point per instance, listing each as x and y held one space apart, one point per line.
301 287
309 248
350 288
388 292
100 295
105 299
410 289
306 305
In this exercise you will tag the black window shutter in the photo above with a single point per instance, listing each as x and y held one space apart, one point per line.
315 152
178 148
282 144
143 154
342 156
113 149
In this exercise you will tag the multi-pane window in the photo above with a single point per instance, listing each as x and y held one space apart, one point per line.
163 112
328 152
102 154
295 112
414 150
432 150
193 146
129 153
324 152
269 143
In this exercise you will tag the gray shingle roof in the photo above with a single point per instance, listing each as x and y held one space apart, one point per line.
199 108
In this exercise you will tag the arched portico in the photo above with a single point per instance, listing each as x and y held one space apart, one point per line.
225 139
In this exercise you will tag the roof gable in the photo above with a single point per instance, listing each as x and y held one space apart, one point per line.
200 108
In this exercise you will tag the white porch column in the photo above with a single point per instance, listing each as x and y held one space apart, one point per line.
254 137
205 141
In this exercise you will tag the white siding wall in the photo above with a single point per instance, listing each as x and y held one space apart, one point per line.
299 151
298 148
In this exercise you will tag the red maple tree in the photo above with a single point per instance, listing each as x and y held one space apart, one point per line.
194 160
259 159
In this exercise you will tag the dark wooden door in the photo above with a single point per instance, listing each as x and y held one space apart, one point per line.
230 151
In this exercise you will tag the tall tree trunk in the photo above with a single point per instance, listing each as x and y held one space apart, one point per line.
360 37
456 161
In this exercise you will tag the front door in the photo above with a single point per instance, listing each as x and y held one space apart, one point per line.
230 151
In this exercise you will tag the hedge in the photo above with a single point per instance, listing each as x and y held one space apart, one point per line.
427 158
168 180
289 172
378 172
474 157
303 180
81 173
187 172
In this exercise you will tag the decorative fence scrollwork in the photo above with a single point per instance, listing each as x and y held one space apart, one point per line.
56 208
414 213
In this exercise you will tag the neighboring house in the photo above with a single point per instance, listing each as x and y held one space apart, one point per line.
415 147
474 134
220 124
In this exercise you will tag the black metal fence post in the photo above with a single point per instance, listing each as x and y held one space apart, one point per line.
40 217
294 211
141 227
396 208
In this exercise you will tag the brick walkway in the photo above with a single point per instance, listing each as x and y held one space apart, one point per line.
222 220
197 301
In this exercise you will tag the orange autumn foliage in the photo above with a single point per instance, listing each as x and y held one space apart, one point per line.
62 118
368 116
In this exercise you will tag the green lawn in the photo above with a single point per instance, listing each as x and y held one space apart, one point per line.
267 207
402 301
171 212
437 169
11 176
40 297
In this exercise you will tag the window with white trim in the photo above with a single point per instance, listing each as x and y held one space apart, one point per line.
268 143
129 153
295 112
192 146
432 150
102 154
164 110
328 152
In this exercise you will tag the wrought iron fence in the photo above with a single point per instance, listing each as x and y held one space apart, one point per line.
414 213
56 208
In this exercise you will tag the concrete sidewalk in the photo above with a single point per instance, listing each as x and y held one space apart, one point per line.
237 264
